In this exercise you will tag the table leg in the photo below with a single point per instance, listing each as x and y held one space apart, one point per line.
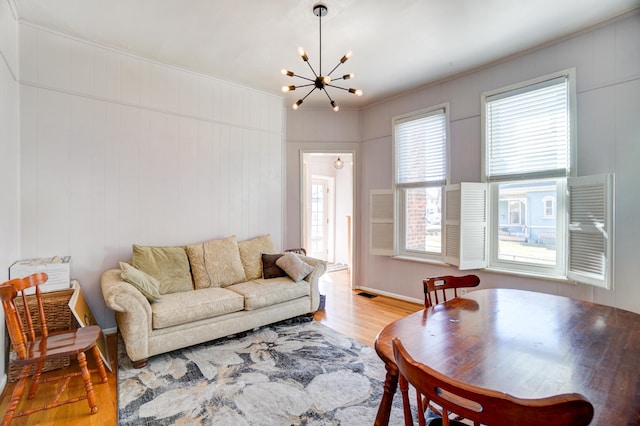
390 386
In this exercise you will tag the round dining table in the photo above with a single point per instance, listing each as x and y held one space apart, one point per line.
526 344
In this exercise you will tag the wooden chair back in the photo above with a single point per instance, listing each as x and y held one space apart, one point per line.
485 406
434 285
22 328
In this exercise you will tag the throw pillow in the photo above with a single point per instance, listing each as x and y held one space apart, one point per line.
295 267
145 283
269 267
251 255
169 265
216 263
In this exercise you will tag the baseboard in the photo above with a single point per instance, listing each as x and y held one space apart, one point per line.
108 331
391 295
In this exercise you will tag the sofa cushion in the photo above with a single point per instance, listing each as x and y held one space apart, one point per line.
216 263
169 265
295 267
186 307
251 254
145 283
269 267
260 293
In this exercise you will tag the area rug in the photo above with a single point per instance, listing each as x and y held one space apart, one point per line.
286 374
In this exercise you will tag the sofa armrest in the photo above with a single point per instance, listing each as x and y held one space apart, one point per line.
133 312
320 267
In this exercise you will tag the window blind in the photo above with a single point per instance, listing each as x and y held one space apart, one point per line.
528 131
421 149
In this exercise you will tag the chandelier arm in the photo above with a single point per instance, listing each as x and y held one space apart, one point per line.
336 87
327 93
335 68
312 70
305 78
310 91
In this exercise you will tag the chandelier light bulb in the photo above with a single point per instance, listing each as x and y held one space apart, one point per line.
345 57
286 89
348 76
285 71
336 108
297 104
326 79
303 54
356 92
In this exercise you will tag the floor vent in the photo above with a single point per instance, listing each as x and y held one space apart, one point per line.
367 295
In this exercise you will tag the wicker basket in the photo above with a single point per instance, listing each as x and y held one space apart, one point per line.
58 315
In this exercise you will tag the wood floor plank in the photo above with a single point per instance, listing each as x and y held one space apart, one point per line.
352 315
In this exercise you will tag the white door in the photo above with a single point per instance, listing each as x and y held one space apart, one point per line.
319 223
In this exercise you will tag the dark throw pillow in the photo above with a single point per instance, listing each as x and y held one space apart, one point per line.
269 267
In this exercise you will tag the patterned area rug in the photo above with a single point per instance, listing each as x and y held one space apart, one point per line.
286 374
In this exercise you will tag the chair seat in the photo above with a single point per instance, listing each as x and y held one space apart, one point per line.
58 344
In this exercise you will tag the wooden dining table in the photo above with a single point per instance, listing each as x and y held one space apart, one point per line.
526 344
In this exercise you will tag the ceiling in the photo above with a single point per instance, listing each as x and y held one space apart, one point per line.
397 45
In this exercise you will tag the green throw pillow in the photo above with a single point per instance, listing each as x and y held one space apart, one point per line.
144 282
169 265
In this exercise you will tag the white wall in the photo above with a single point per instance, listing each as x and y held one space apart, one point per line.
117 150
9 153
607 62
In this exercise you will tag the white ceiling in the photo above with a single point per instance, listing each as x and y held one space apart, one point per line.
397 45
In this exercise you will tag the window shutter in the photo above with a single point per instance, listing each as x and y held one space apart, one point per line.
528 132
381 222
591 230
466 225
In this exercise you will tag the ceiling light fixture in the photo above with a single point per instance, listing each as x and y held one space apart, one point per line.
320 82
338 164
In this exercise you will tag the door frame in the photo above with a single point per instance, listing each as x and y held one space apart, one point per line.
353 265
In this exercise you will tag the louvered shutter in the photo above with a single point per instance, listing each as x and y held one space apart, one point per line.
465 225
381 222
591 230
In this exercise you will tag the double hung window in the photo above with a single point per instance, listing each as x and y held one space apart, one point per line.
529 164
420 174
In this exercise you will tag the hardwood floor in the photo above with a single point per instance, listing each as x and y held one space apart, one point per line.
352 315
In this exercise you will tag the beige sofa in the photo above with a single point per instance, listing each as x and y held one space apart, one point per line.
214 296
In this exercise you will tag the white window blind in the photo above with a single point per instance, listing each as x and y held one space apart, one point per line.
420 144
528 131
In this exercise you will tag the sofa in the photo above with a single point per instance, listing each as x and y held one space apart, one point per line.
167 298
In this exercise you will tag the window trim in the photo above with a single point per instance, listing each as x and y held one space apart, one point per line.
399 189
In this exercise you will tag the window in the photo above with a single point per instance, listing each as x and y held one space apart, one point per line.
549 207
543 220
420 174
528 149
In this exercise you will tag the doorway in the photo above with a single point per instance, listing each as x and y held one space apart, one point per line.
327 207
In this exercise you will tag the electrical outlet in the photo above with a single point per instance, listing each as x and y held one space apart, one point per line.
463 291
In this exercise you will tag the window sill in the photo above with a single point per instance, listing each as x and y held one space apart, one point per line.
420 260
531 275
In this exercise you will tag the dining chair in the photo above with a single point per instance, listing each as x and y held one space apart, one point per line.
33 344
480 405
441 284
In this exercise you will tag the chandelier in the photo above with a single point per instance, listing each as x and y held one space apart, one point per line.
319 81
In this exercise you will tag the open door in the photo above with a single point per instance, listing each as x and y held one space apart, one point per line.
327 206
